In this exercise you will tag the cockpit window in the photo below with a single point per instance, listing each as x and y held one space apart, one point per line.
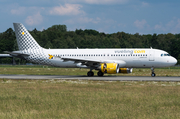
165 55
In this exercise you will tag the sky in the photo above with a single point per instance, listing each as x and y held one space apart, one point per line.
108 16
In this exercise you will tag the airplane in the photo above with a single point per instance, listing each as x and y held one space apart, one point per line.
106 61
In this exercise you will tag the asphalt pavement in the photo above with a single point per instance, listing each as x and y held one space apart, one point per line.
104 78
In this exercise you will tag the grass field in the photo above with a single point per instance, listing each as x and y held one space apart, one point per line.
43 99
45 70
29 99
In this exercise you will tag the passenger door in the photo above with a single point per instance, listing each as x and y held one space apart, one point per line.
151 55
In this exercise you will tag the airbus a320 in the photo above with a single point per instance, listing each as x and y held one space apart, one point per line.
110 61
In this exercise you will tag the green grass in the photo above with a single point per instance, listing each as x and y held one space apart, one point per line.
45 70
88 99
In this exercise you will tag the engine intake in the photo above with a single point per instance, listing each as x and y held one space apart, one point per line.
110 68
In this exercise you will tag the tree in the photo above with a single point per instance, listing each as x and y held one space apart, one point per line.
57 36
61 28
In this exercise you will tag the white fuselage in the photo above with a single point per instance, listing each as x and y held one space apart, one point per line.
105 60
140 58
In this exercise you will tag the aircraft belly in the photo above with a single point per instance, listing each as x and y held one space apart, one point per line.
61 63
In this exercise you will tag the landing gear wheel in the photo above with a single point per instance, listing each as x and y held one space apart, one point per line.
90 73
100 73
153 74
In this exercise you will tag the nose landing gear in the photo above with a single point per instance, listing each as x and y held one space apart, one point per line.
153 74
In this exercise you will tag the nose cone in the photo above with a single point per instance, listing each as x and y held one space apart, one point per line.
173 61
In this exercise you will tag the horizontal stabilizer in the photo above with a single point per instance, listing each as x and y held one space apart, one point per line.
17 54
5 55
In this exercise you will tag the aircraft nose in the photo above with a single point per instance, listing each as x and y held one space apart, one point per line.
173 60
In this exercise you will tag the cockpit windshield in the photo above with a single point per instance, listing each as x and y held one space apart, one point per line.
165 55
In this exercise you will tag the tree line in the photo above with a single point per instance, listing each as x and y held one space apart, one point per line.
57 36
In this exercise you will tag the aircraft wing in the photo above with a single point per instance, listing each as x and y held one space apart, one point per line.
80 59
92 62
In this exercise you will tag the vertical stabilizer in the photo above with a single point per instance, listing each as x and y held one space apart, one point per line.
24 39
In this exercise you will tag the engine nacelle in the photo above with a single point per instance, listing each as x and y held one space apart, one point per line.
110 68
125 70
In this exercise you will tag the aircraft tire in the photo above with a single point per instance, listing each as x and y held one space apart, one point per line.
100 73
90 73
153 74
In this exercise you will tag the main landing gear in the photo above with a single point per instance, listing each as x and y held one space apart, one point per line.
90 73
153 74
100 73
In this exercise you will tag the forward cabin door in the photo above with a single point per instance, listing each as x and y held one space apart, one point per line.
151 55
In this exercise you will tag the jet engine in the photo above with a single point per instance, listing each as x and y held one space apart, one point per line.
125 70
110 68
